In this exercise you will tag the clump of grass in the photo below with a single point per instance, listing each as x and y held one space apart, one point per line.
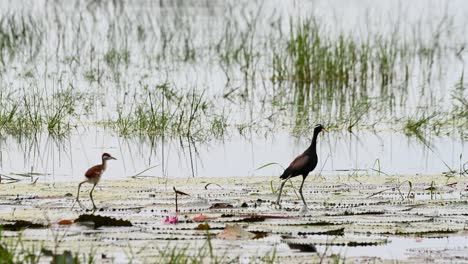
338 74
7 115
58 114
415 126
325 71
114 58
166 112
219 125
31 113
460 101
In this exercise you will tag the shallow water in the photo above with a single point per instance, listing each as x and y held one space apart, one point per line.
379 153
403 248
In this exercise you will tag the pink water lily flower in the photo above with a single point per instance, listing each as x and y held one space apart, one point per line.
171 220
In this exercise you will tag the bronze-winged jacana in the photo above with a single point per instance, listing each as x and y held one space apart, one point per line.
93 175
302 165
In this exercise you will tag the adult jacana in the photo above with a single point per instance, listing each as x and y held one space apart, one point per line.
93 175
302 165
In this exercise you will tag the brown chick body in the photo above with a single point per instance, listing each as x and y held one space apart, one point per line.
93 175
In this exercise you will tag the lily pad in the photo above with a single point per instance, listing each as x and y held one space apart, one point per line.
235 232
203 227
302 247
100 220
221 206
21 224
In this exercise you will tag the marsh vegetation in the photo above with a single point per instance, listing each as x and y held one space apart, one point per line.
247 66
223 88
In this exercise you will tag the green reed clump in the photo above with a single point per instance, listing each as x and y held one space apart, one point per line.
19 116
460 100
163 111
114 57
415 126
339 74
57 115
455 115
7 116
340 66
322 70
32 113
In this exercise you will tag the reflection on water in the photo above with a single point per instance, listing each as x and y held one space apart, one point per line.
344 153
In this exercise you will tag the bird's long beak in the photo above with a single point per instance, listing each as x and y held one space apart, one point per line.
324 129
113 158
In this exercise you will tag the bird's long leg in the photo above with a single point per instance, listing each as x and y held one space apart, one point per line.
78 195
91 196
300 191
281 189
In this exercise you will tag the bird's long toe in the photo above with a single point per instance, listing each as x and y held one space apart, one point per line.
277 206
79 203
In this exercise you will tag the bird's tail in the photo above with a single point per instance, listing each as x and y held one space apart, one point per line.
285 174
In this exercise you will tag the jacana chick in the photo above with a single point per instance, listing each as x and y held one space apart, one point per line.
302 165
93 175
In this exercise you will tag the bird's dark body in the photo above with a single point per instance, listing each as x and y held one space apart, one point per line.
301 165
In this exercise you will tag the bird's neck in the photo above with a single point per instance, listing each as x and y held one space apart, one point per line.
104 164
313 145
